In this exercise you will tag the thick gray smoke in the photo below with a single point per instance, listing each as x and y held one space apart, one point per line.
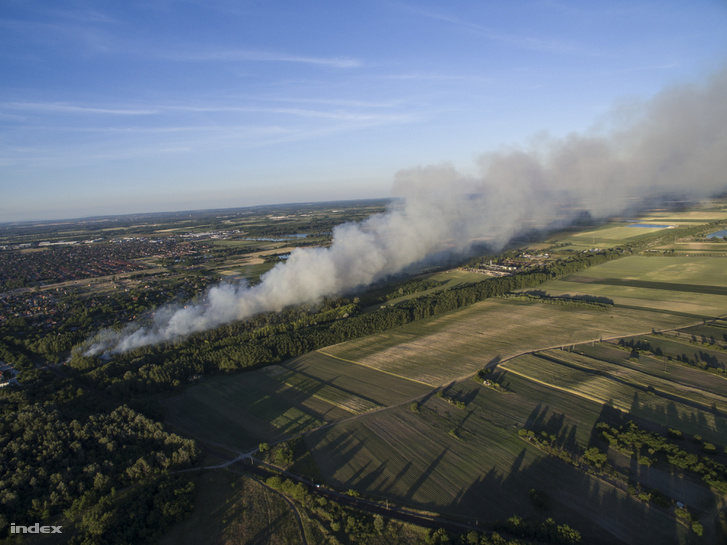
677 146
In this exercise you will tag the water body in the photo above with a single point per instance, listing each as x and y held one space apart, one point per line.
282 238
718 234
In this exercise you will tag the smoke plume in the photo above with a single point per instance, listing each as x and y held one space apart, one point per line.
676 146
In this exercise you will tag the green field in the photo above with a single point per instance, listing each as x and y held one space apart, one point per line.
694 287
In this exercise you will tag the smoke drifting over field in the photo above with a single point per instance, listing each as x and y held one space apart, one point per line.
677 146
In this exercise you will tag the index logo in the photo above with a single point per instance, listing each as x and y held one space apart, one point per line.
35 529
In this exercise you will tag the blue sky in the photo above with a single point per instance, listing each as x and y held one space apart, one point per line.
120 107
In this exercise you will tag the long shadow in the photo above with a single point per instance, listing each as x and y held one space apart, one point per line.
399 475
639 387
425 475
605 515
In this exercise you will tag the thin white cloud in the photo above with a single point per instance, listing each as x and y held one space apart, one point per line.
267 56
60 107
534 43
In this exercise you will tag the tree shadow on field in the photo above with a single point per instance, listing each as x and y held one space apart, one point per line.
425 475
648 407
494 361
542 420
602 513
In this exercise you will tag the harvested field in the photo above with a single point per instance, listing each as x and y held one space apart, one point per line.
440 349
640 394
243 410
275 402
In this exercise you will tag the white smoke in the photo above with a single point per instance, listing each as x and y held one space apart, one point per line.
677 146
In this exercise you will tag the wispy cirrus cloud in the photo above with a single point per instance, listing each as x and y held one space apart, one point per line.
61 107
268 56
522 41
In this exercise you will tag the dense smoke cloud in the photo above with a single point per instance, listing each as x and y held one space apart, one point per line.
677 146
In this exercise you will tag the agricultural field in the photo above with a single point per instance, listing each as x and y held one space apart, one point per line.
693 287
239 412
441 349
470 462
662 400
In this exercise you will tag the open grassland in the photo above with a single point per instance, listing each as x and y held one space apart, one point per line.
470 462
279 401
440 349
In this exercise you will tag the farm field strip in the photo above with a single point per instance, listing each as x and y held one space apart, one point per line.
378 386
688 270
641 379
677 341
335 396
660 407
693 305
657 367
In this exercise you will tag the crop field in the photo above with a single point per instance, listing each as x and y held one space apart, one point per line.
240 411
440 349
470 462
705 215
696 249
640 394
662 367
695 287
